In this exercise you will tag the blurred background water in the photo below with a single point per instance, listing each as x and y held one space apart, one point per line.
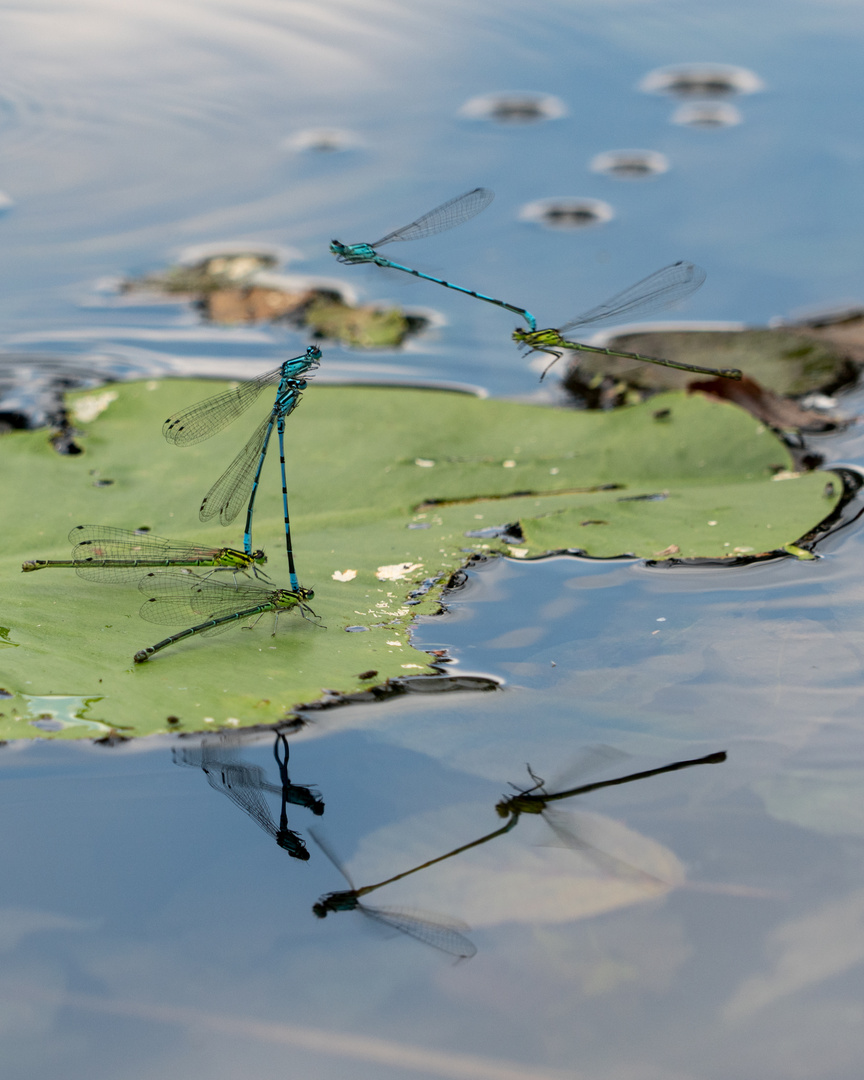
148 927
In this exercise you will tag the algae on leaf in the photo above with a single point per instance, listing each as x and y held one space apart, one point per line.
383 484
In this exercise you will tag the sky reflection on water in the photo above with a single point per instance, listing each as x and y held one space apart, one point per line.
148 928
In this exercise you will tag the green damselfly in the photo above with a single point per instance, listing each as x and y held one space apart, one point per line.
658 290
178 597
102 553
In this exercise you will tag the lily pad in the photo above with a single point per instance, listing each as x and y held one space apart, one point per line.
384 484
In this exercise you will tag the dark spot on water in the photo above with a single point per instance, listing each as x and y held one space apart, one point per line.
172 720
630 164
658 496
593 521
113 738
457 580
367 674
323 141
514 107
102 483
662 414
707 115
566 213
13 421
701 81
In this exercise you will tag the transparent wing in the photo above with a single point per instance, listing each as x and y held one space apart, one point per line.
175 598
577 831
331 855
101 551
231 491
446 216
439 931
200 421
93 534
241 783
658 290
589 760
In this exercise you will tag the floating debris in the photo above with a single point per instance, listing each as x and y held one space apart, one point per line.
707 115
701 80
514 107
630 164
323 140
567 213
237 287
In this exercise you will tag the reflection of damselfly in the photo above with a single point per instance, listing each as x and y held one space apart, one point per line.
440 931
101 553
536 800
244 784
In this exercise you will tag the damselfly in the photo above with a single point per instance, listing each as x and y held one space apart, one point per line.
446 216
238 485
101 553
243 784
178 597
439 931
658 290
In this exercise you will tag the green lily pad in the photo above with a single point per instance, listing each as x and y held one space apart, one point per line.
384 484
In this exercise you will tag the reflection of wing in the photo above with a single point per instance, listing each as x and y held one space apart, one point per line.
583 833
590 760
243 785
439 931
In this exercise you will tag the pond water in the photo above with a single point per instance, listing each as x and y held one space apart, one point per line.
711 924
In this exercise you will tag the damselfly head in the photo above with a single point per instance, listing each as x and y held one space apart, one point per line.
259 556
313 353
306 594
335 901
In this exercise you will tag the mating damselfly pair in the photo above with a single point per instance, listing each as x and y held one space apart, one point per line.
659 290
